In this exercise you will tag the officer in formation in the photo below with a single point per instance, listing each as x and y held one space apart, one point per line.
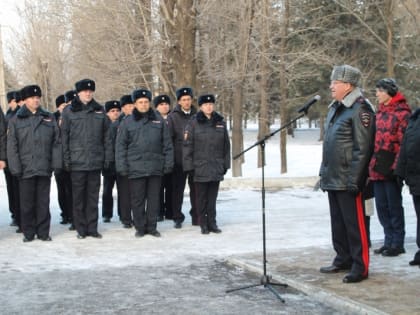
33 151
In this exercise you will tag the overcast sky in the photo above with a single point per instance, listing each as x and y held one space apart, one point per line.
9 20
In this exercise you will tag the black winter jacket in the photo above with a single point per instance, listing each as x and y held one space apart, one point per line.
10 114
206 148
177 121
2 137
143 147
33 146
84 132
408 166
348 143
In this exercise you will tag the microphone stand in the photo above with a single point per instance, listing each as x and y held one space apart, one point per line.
265 278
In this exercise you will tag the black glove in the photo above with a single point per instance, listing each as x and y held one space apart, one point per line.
225 171
67 167
353 189
400 181
58 171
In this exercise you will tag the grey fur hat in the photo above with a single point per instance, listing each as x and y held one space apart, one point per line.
346 74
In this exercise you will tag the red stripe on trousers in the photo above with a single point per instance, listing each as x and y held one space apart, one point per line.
362 231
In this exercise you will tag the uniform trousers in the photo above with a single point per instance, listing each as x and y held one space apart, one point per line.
65 198
144 193
107 198
416 200
165 209
85 187
348 231
123 187
12 184
206 203
35 206
179 178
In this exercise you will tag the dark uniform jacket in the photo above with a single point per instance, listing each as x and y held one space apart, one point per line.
2 137
113 129
206 148
143 146
408 166
348 143
84 131
177 121
10 114
33 146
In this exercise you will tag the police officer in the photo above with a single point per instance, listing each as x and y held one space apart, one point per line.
123 186
207 153
348 146
177 120
144 152
12 183
62 177
113 110
86 148
162 104
2 141
33 151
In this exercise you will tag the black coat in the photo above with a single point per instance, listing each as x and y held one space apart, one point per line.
206 148
143 146
84 132
113 129
33 146
2 137
348 144
177 121
408 166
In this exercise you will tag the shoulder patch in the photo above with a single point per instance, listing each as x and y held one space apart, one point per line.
365 118
98 112
47 119
156 121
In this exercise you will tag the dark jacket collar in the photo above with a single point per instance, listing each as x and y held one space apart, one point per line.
150 115
11 111
215 118
415 114
24 112
178 109
76 105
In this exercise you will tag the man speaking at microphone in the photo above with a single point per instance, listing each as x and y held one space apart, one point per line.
347 149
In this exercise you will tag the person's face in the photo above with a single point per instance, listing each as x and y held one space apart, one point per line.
33 103
207 109
142 104
127 109
113 114
382 96
340 89
85 96
163 109
61 107
185 102
13 104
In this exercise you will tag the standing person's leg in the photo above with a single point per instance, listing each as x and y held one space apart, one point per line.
123 187
79 187
28 204
201 189
107 198
68 196
195 217
152 196
92 199
43 216
212 191
61 195
396 212
161 205
179 178
138 201
416 259
382 208
9 185
168 196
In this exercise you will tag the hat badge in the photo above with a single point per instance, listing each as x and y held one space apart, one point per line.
34 90
185 91
144 93
163 98
208 98
89 84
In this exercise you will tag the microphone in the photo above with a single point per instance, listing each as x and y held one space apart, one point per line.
309 103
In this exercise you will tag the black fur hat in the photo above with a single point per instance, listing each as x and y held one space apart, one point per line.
163 98
139 93
206 98
18 96
112 104
85 84
29 91
125 99
60 100
184 91
389 85
11 96
69 95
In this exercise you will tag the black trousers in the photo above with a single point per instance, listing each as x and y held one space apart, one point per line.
107 198
123 187
35 206
416 200
145 202
206 202
179 178
65 199
348 231
12 184
85 187
165 209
